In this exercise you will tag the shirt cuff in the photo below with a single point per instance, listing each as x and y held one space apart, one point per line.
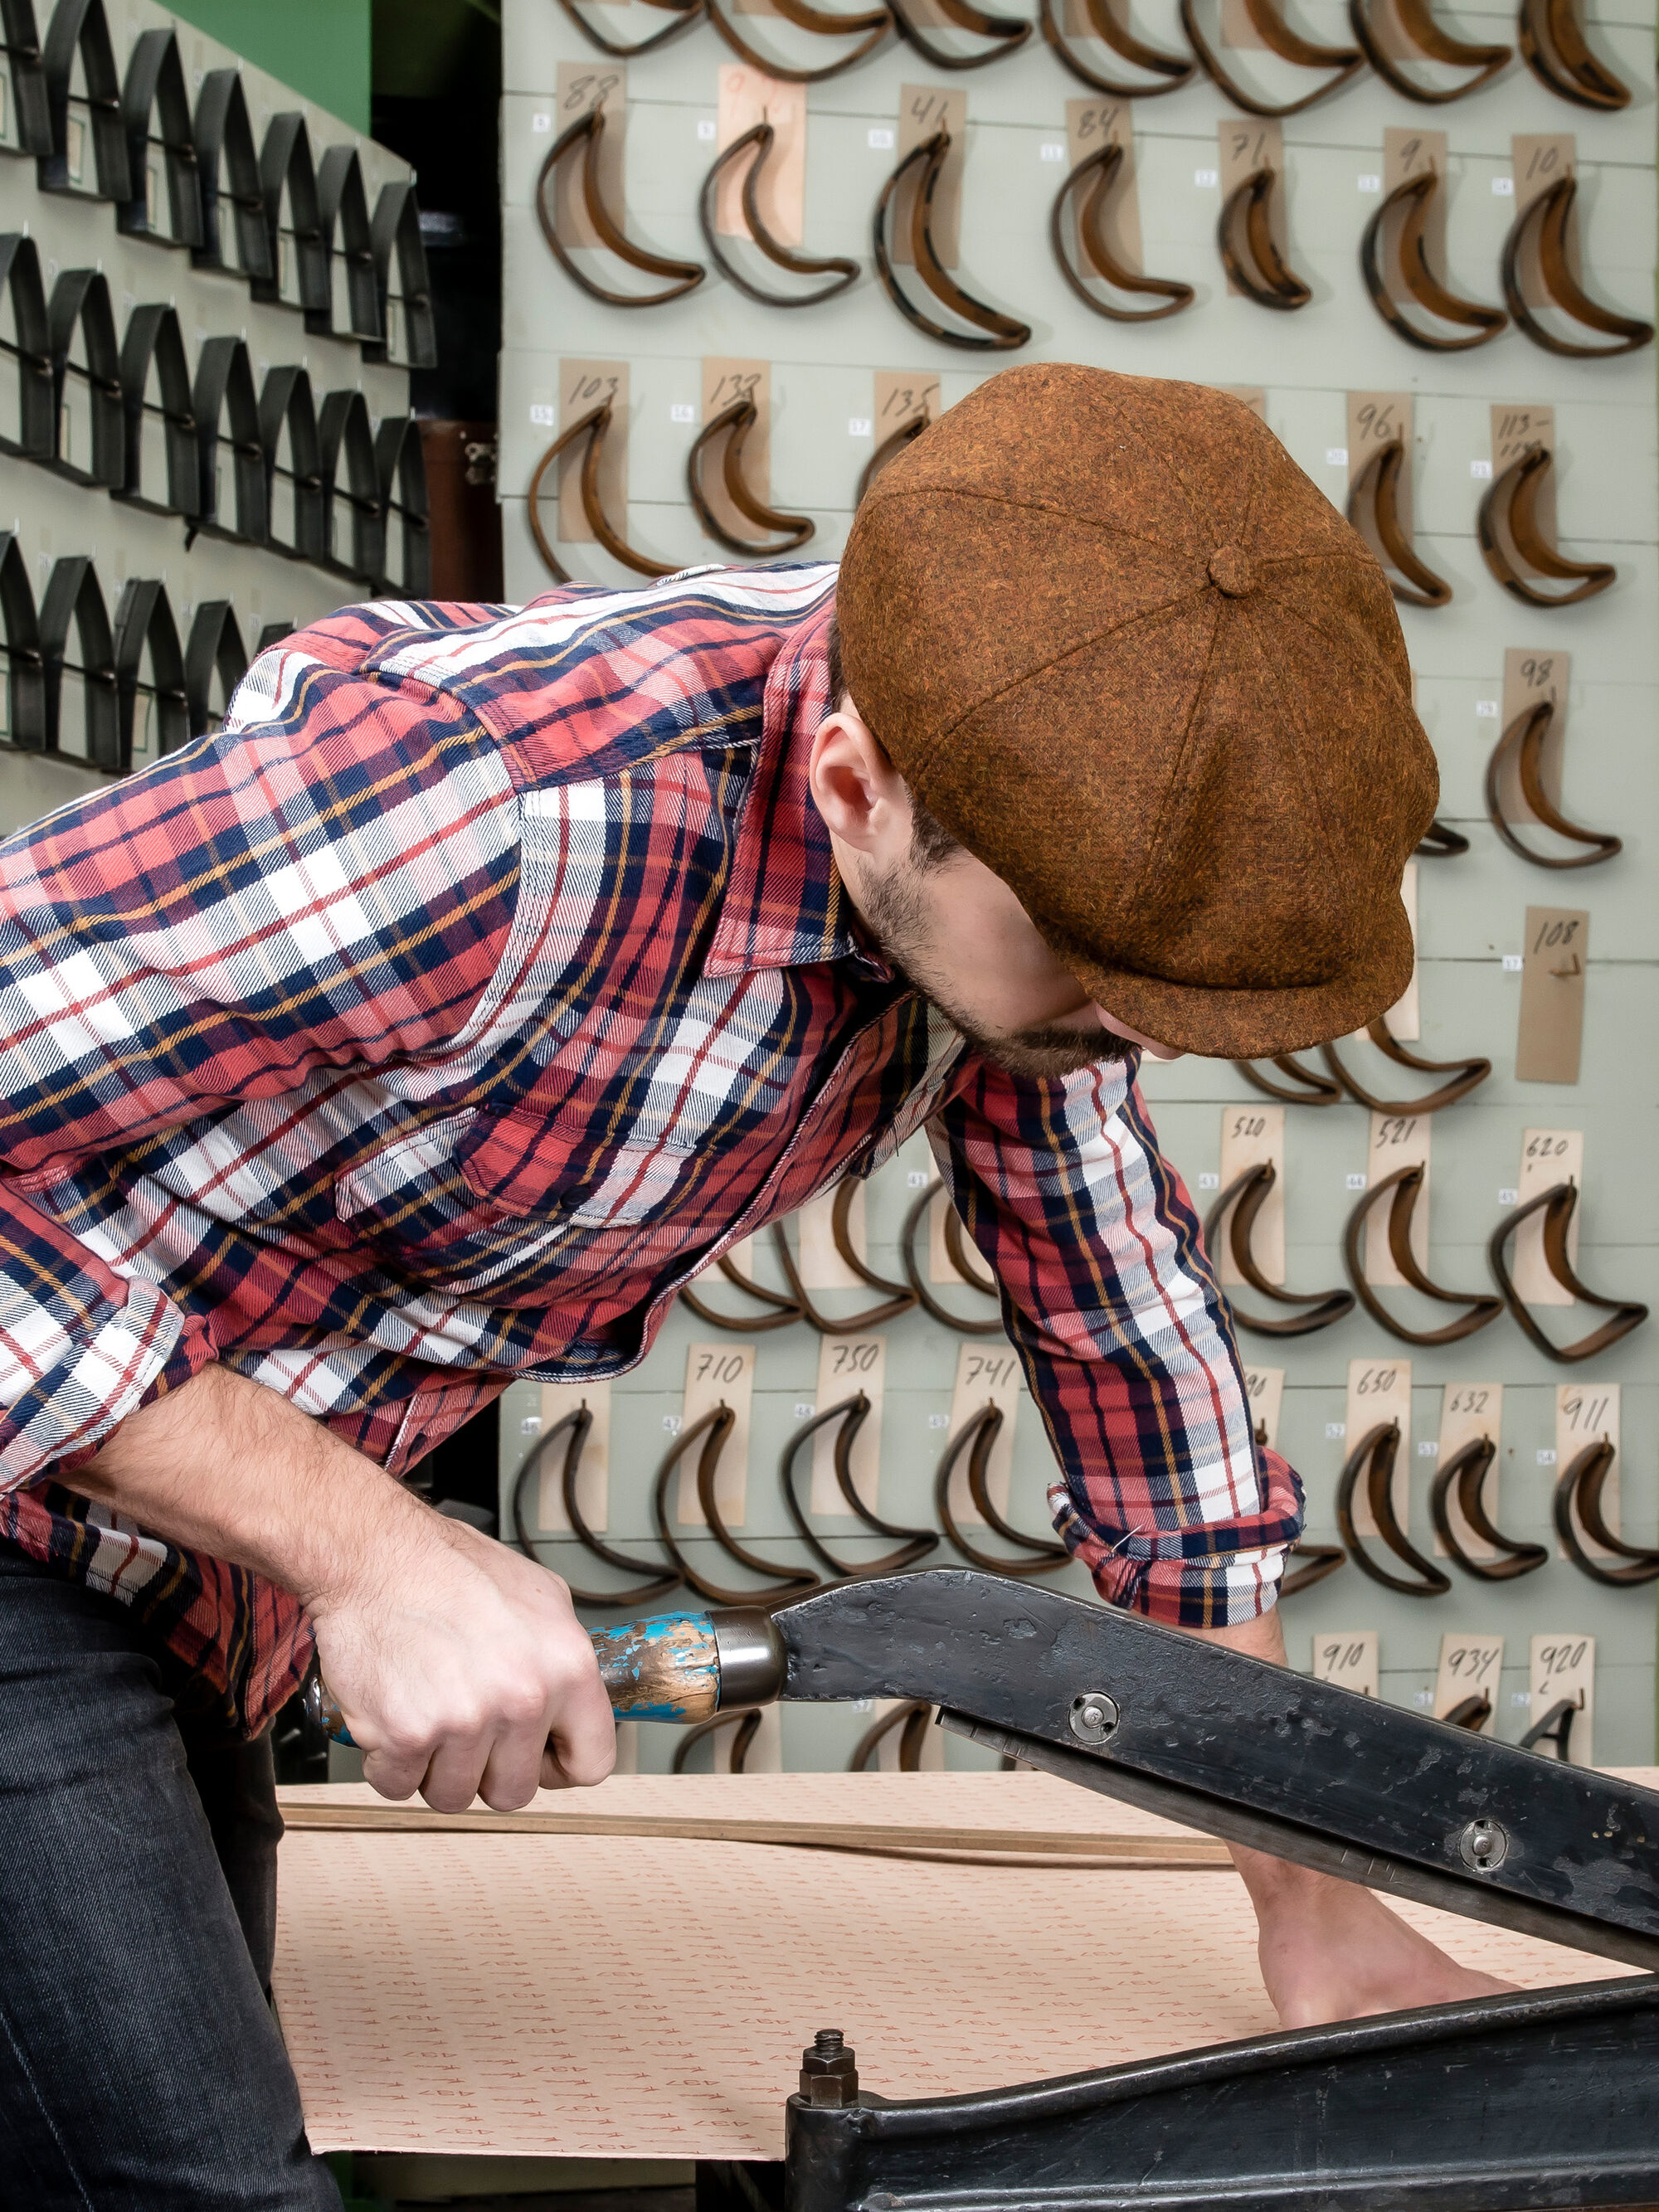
1207 1577
126 1354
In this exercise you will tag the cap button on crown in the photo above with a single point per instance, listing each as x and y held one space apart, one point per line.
1231 571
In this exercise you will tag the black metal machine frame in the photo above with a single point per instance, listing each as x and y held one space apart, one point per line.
1545 2097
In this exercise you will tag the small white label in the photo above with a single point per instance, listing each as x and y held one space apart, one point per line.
1336 457
1206 179
1424 1697
880 138
705 131
938 1420
1509 1198
1051 151
1513 963
1428 1449
540 122
1368 183
917 1179
1520 1697
1502 188
1356 1183
1336 1428
544 415
530 1425
1546 1459
1209 1182
679 412
864 1705
671 1425
860 425
1486 709
1481 472
805 1412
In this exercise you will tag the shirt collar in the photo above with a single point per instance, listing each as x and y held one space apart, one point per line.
785 906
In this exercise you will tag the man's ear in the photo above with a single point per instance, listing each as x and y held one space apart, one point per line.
855 787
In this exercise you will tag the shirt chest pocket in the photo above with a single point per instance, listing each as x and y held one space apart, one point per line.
510 1203
527 1165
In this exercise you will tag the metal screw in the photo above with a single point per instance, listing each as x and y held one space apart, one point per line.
1093 1716
828 2073
1482 1846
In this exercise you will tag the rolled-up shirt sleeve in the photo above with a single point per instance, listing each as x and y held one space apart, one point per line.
326 883
1163 1491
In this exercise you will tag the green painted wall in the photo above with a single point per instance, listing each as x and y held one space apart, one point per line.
321 47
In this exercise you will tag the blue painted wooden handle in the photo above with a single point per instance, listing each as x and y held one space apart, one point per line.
666 1668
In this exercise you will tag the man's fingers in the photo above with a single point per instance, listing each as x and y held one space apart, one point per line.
512 1772
394 1774
583 1745
452 1778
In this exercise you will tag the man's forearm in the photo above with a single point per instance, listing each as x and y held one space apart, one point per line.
1261 1638
226 1467
460 1666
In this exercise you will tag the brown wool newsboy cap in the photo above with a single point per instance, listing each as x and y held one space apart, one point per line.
1125 652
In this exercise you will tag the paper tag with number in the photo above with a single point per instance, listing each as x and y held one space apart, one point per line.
746 98
1552 1025
1089 125
1376 419
1547 1157
1250 1134
985 1372
847 1365
727 379
1468 1410
715 1374
1470 1667
1563 1668
1353 1659
581 86
1533 678
1584 1414
899 396
822 1267
1397 1140
584 386
1408 154
1380 1391
1515 426
1244 144
1540 160
594 1470
924 110
1264 1391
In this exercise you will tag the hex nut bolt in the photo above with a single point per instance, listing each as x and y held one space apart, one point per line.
829 2074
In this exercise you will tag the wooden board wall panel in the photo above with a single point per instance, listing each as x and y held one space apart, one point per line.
1471 911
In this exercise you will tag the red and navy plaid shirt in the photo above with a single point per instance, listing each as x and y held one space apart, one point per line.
431 1025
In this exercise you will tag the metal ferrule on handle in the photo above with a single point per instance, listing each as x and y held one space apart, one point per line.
674 1667
685 1665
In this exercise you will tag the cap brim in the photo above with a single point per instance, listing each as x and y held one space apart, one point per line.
1255 1024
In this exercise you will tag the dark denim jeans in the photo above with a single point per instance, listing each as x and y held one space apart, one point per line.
139 2064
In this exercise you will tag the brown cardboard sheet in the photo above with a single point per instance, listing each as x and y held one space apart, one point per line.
602 1996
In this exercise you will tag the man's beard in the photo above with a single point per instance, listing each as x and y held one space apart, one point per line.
898 917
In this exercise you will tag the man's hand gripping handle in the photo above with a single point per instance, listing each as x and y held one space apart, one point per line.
673 1666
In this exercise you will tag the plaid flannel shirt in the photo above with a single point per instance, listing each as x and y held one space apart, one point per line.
430 1024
